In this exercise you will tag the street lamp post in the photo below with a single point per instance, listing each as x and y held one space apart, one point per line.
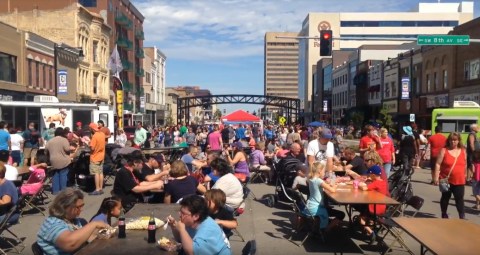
56 48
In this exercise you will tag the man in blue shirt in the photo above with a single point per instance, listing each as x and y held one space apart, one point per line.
32 143
198 233
240 132
190 159
5 144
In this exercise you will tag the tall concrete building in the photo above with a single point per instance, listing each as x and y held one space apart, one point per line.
154 84
126 24
280 65
428 18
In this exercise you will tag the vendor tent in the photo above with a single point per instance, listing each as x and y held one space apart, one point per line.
240 116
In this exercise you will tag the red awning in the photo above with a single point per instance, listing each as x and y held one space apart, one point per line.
239 116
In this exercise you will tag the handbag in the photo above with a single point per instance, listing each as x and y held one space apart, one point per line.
443 184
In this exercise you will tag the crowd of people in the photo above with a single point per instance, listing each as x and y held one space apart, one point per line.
207 180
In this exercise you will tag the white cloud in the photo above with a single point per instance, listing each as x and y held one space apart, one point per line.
223 29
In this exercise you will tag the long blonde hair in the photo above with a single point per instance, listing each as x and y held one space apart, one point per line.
316 168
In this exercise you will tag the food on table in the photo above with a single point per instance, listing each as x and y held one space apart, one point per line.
141 223
106 233
168 244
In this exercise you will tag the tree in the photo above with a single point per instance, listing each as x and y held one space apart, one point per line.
169 119
217 115
386 120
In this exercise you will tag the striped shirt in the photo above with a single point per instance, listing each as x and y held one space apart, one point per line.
49 232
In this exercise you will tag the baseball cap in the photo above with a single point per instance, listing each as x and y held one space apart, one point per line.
93 126
326 133
237 144
376 170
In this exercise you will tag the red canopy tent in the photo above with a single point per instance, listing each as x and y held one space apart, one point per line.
240 116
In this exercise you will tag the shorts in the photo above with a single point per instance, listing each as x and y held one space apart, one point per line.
476 188
30 152
96 167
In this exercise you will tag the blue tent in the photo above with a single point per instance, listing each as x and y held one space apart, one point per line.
316 124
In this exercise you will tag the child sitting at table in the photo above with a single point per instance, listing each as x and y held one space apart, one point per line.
379 185
110 207
216 200
315 203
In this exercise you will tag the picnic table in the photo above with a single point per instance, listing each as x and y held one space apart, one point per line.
346 195
442 236
136 240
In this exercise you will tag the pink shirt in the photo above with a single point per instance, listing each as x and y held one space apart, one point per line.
214 141
387 149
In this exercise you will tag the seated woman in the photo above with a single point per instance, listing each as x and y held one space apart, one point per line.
8 194
227 182
216 199
239 161
182 184
198 233
61 232
257 160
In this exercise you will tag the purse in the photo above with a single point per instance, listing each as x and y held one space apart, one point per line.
443 184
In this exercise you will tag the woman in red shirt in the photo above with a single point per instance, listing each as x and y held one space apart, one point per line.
387 151
452 158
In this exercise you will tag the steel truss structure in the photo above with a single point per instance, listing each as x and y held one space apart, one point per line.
290 106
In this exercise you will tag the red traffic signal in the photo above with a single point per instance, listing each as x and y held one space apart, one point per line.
326 43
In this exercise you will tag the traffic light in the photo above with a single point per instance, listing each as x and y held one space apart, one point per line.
325 42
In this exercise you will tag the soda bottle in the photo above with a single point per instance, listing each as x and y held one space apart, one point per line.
121 225
151 229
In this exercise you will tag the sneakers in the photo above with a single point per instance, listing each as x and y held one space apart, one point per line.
444 216
96 193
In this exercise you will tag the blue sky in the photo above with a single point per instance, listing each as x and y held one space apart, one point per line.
218 44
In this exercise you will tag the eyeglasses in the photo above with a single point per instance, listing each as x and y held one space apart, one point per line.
183 214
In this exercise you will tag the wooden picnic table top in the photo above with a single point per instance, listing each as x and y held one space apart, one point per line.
136 240
23 170
443 236
348 195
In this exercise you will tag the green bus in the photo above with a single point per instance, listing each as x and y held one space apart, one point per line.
456 119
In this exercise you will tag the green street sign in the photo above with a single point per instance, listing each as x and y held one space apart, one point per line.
443 40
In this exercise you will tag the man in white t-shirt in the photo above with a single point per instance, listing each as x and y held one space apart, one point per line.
12 173
322 149
17 147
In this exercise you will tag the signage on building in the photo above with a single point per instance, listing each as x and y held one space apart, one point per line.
391 106
325 105
142 102
405 88
62 82
6 98
437 101
412 117
475 97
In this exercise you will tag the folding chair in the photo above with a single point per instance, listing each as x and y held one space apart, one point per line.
303 216
36 249
391 227
11 218
255 173
32 191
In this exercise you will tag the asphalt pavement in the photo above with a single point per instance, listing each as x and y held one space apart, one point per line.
269 227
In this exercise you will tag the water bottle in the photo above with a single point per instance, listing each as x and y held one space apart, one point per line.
151 229
333 178
121 225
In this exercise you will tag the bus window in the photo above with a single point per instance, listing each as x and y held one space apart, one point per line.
103 117
448 127
466 125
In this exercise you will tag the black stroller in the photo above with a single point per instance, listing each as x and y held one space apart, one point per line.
285 172
80 173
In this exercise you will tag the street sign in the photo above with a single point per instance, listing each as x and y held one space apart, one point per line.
282 120
443 40
412 117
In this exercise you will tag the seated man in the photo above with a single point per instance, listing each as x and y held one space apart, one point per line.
354 163
8 193
129 188
293 163
190 159
154 162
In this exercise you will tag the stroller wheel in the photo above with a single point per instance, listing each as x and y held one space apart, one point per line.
270 200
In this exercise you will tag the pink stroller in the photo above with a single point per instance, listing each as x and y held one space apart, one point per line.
33 189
